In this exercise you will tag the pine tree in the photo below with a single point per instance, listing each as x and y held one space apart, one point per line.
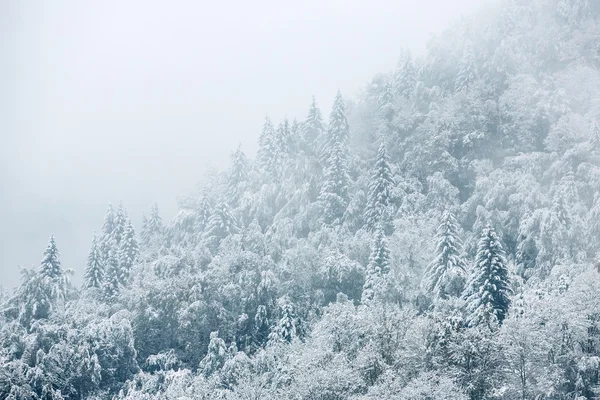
94 271
215 356
238 174
338 133
445 275
377 269
286 328
106 236
405 80
385 101
380 187
154 229
333 197
314 128
269 157
112 276
221 224
50 267
467 73
120 222
488 292
203 215
128 253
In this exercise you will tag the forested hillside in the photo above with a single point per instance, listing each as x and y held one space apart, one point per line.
433 237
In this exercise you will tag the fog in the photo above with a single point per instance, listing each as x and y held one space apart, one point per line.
109 101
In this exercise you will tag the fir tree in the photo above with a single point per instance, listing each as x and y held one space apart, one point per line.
50 267
128 253
238 174
595 137
119 224
286 328
333 197
380 188
154 229
106 237
215 356
385 101
445 275
221 224
467 72
405 79
338 133
94 271
377 269
269 157
203 215
314 128
488 292
112 276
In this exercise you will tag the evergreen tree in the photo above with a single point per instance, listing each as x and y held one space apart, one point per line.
445 275
221 224
128 253
488 292
286 328
50 266
380 188
154 229
94 271
385 101
120 222
112 276
238 174
270 157
406 76
106 237
338 133
314 128
467 72
595 137
203 215
215 356
333 197
377 269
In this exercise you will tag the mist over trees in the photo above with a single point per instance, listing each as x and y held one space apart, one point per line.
434 237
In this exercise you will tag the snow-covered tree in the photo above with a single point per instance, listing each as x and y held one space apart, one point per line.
270 157
445 275
285 330
377 268
215 357
221 224
467 70
313 128
128 252
50 267
202 215
94 270
238 173
153 234
405 79
334 191
488 291
338 131
381 184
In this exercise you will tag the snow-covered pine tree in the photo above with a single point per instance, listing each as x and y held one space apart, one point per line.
106 236
94 270
128 253
406 77
467 70
112 276
154 232
314 129
377 269
50 267
269 157
378 210
445 276
238 173
385 101
203 214
333 197
221 224
285 330
215 356
488 292
120 222
338 132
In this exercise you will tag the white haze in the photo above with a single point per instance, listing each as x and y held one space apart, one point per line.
110 100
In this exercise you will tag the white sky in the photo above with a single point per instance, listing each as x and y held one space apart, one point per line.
130 100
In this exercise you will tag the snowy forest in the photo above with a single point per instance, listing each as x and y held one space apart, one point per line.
435 236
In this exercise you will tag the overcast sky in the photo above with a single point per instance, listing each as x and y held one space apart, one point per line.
102 101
